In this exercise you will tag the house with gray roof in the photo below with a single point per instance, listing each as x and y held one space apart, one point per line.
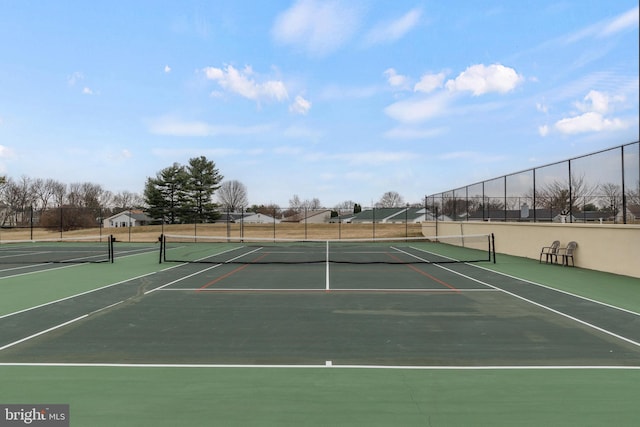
128 218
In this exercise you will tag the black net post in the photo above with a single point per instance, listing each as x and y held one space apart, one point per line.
373 233
162 245
274 224
112 240
493 247
31 224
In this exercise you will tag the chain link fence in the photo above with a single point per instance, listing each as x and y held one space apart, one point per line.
598 187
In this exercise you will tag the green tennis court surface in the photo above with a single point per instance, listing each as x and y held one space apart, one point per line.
321 343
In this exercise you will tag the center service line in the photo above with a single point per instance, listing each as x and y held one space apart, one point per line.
327 287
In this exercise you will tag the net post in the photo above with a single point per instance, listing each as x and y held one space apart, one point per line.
161 240
112 240
493 247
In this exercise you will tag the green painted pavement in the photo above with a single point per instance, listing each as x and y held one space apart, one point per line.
22 291
617 290
127 396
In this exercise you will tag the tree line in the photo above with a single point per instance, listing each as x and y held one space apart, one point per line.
26 200
189 193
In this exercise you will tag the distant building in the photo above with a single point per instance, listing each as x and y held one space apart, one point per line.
130 218
321 216
246 218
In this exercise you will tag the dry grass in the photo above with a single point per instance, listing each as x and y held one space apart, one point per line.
285 231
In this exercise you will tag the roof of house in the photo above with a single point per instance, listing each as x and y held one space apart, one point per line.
134 214
305 215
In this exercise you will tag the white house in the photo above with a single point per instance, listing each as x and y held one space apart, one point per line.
258 218
130 218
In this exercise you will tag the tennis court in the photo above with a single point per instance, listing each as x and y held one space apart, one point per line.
330 309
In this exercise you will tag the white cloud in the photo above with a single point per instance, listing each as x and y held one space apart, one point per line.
317 27
430 82
242 83
171 126
606 28
419 109
543 130
300 106
599 102
394 79
589 122
542 107
625 21
394 30
480 79
595 107
75 78
5 151
87 91
167 69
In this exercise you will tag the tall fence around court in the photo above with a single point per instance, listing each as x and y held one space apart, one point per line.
311 223
599 187
32 223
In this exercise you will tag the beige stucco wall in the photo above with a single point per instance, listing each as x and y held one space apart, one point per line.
611 248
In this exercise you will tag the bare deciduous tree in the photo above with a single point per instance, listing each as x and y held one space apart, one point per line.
390 199
232 195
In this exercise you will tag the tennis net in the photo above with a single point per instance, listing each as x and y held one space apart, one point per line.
91 249
410 250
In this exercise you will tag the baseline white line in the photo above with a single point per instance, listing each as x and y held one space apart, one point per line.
43 332
324 366
370 290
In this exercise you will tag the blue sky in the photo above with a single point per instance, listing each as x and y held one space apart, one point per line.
335 100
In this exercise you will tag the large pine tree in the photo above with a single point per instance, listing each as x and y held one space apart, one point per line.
180 194
203 179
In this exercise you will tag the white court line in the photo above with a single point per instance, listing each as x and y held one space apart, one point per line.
327 283
43 332
557 290
76 295
326 366
575 319
370 290
197 272
181 279
44 270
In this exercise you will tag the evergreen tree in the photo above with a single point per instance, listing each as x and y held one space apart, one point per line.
165 194
202 181
180 194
